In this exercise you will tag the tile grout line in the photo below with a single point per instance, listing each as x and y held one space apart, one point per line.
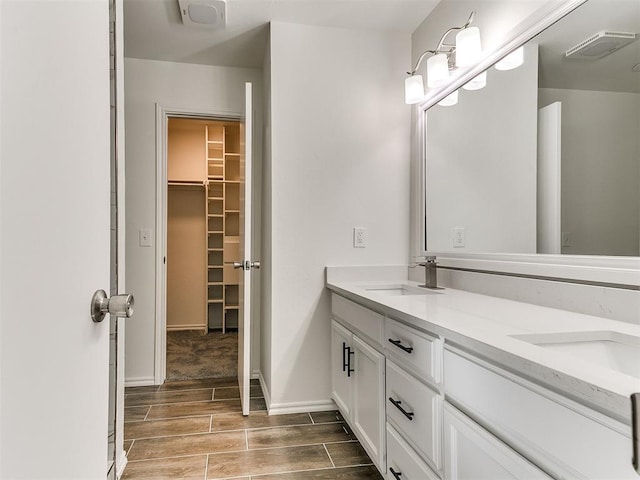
326 450
246 438
213 394
189 434
147 414
311 417
206 468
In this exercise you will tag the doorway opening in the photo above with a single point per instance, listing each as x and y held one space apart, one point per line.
202 242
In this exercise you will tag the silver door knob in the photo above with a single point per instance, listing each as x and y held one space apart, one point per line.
255 265
117 305
237 265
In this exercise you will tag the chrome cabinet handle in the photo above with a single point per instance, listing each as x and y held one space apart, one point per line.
117 305
397 404
398 343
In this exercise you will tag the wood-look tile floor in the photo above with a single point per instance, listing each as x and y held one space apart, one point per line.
194 429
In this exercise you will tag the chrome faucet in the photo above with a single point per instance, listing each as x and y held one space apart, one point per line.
430 272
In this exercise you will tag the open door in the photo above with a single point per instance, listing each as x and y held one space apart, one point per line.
55 238
549 179
244 263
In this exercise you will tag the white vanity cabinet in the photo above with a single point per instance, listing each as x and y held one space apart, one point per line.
358 374
425 407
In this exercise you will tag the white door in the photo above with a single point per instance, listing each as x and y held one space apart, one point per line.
368 412
54 238
549 178
244 313
341 368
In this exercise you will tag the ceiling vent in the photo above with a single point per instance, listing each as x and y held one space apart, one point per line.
600 45
203 13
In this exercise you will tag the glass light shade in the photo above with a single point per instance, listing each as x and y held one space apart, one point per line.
468 47
437 70
449 100
413 89
477 82
511 61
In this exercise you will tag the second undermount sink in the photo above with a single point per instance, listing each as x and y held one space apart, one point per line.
617 351
399 289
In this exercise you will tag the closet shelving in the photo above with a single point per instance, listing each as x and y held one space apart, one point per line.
223 222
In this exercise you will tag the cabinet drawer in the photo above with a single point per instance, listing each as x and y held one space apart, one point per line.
568 440
416 351
472 452
416 411
402 462
366 321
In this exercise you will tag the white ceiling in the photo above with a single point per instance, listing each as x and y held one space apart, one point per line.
154 30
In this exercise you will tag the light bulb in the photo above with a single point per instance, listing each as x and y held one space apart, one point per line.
413 89
468 47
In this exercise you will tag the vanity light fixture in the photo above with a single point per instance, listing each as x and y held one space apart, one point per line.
444 58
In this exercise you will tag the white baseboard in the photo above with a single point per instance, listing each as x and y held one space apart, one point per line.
265 390
139 381
121 463
301 407
181 328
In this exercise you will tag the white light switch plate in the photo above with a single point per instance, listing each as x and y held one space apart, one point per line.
145 237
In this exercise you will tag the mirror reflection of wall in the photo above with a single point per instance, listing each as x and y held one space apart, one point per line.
493 186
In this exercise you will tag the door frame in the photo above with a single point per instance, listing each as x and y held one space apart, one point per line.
163 114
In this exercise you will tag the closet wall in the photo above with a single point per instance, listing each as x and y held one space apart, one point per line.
203 170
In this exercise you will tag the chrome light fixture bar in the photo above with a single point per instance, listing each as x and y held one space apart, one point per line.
467 50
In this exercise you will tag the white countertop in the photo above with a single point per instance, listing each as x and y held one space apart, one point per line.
484 325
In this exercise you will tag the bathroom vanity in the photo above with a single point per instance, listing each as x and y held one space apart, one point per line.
455 385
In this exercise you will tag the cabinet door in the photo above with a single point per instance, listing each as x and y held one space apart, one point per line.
341 362
368 415
473 453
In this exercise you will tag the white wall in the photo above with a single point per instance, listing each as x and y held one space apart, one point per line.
172 85
481 164
339 159
266 270
600 170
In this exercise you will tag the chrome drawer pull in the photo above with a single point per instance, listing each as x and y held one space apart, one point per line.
398 343
396 475
396 403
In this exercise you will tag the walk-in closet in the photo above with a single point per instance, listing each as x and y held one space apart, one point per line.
203 219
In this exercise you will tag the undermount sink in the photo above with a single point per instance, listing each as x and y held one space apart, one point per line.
613 350
400 289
